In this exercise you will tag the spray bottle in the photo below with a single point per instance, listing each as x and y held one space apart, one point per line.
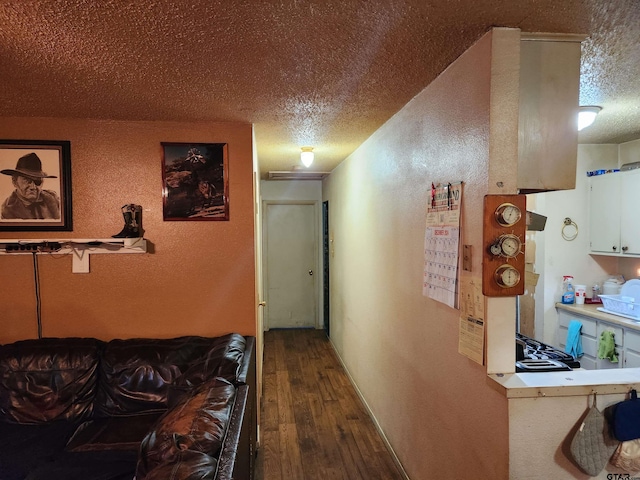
568 292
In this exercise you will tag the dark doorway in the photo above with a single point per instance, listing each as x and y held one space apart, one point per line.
325 266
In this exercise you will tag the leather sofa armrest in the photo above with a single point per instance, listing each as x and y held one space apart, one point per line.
237 453
247 370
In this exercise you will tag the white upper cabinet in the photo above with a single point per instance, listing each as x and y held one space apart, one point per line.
604 213
630 213
614 214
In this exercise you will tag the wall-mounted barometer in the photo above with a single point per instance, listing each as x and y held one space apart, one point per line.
507 276
507 245
504 228
508 214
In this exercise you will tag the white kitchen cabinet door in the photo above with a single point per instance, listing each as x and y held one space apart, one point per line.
604 213
631 349
589 360
631 359
629 216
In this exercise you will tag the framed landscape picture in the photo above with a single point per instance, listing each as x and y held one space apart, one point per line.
195 181
35 185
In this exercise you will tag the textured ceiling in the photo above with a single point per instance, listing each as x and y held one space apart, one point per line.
325 73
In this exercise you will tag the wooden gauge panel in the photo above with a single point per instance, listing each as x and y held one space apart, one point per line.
503 238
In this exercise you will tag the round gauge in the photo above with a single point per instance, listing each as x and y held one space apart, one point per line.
510 245
507 214
495 249
507 276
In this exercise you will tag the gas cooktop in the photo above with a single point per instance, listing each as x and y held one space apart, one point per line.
535 356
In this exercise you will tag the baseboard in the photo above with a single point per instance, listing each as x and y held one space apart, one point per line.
371 415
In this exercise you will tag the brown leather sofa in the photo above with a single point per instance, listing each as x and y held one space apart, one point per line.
149 409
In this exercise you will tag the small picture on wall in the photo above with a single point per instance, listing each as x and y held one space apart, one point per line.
35 185
195 181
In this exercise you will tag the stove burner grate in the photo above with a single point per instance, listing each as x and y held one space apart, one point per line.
530 351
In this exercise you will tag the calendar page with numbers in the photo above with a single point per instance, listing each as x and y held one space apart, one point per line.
441 243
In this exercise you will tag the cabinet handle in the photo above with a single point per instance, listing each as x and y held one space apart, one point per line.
624 249
615 248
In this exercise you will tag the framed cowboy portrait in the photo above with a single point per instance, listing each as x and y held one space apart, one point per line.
195 181
35 185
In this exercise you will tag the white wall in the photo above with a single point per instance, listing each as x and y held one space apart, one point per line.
556 256
291 190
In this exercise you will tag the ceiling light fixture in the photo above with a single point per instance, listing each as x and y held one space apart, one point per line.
307 156
587 115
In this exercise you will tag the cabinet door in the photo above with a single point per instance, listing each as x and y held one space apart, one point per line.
629 218
631 349
604 209
631 359
589 361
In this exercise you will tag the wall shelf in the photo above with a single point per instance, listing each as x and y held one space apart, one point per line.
619 255
80 248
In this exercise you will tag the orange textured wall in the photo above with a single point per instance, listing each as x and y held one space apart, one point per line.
198 278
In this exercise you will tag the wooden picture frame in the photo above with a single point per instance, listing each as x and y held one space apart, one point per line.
195 181
35 185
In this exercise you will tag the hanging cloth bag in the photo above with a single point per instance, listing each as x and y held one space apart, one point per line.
626 418
592 446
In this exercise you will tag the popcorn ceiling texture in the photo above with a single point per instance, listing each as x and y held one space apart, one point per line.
325 73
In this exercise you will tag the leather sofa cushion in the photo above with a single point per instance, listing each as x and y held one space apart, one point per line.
223 360
48 379
96 465
198 423
24 448
187 465
115 433
137 373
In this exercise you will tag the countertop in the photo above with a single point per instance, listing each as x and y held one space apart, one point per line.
578 381
561 384
590 310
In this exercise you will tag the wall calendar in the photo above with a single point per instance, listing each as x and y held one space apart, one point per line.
441 243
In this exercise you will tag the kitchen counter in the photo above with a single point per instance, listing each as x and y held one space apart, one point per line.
590 310
562 384
579 381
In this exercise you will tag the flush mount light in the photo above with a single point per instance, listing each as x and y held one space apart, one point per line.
587 115
306 157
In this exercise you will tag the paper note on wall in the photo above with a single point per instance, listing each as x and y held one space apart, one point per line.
471 338
471 298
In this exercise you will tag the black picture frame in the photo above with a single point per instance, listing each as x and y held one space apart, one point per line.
195 181
49 161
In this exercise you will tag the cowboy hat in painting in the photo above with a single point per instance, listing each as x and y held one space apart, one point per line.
28 166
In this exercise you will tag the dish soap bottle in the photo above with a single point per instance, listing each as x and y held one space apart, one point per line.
568 292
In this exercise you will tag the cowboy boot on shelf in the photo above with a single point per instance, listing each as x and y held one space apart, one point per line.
137 220
132 214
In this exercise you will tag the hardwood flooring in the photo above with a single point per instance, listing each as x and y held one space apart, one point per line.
313 424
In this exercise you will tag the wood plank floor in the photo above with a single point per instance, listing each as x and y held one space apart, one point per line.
314 425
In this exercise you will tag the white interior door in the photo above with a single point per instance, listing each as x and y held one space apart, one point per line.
291 251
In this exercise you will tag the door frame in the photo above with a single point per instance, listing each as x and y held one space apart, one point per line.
326 314
317 255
